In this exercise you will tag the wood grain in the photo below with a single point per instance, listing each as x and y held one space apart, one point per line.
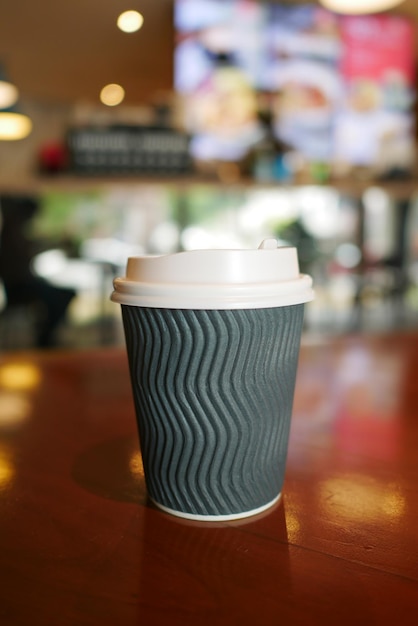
81 545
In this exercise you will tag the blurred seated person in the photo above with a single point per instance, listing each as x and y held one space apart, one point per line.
22 287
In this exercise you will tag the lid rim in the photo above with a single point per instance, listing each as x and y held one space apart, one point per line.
273 304
211 297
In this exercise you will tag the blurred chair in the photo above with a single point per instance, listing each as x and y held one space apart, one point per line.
30 300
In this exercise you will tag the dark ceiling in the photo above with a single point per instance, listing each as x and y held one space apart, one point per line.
67 51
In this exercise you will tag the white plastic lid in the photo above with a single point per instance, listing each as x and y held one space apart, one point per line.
215 279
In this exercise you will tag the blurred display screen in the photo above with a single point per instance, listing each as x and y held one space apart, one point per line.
333 88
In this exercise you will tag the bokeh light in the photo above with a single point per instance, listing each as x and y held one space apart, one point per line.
111 95
19 376
130 21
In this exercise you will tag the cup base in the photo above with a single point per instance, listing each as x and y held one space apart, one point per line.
217 518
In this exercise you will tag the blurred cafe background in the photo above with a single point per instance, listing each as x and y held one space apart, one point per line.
204 123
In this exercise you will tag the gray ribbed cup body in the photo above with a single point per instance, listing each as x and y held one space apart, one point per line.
213 392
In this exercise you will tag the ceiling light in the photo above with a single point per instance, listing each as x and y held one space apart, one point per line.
112 94
355 7
130 21
14 126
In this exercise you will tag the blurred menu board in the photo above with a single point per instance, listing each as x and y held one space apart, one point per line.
374 124
338 89
124 150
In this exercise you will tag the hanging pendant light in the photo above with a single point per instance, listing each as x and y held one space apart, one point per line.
13 125
8 92
357 7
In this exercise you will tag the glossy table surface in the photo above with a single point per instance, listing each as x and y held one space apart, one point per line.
80 544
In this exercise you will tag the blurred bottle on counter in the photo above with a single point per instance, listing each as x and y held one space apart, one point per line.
270 161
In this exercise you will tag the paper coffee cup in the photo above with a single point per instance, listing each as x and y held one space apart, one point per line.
213 340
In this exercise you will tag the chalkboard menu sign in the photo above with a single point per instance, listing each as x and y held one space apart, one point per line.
124 150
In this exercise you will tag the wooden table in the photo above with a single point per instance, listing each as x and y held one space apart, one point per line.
80 545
